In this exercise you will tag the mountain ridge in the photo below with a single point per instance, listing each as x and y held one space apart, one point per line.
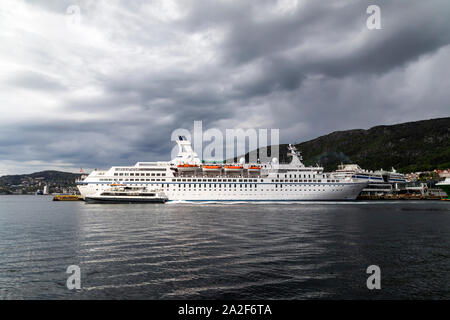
409 147
49 176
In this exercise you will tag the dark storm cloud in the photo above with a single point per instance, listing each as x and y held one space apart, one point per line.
112 91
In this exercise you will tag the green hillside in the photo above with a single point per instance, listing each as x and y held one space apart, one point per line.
48 177
408 147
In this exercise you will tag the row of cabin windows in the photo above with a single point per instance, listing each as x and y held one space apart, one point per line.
254 180
300 176
221 180
278 187
224 180
141 179
212 185
297 180
140 174
224 185
217 180
140 169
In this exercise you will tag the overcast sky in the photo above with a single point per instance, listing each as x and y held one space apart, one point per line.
109 86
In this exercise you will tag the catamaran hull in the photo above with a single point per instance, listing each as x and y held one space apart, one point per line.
123 200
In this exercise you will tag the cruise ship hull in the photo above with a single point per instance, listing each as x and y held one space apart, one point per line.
262 192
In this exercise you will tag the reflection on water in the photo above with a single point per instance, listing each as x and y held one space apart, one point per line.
228 251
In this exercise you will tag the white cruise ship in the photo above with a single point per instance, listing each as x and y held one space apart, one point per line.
186 178
379 182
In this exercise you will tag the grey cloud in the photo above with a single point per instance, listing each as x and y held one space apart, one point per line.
35 81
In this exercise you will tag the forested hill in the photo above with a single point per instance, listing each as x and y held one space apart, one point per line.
48 177
408 147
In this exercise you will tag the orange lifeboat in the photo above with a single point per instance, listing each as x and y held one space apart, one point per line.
254 168
213 168
233 168
187 167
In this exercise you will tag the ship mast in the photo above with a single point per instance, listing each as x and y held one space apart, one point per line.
296 156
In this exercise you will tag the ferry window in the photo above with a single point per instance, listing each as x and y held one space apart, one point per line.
147 174
158 174
163 174
131 179
131 174
158 179
115 174
153 174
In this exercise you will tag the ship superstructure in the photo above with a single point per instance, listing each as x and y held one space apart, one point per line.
186 178
379 182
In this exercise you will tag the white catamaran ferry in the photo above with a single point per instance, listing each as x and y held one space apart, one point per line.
186 178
